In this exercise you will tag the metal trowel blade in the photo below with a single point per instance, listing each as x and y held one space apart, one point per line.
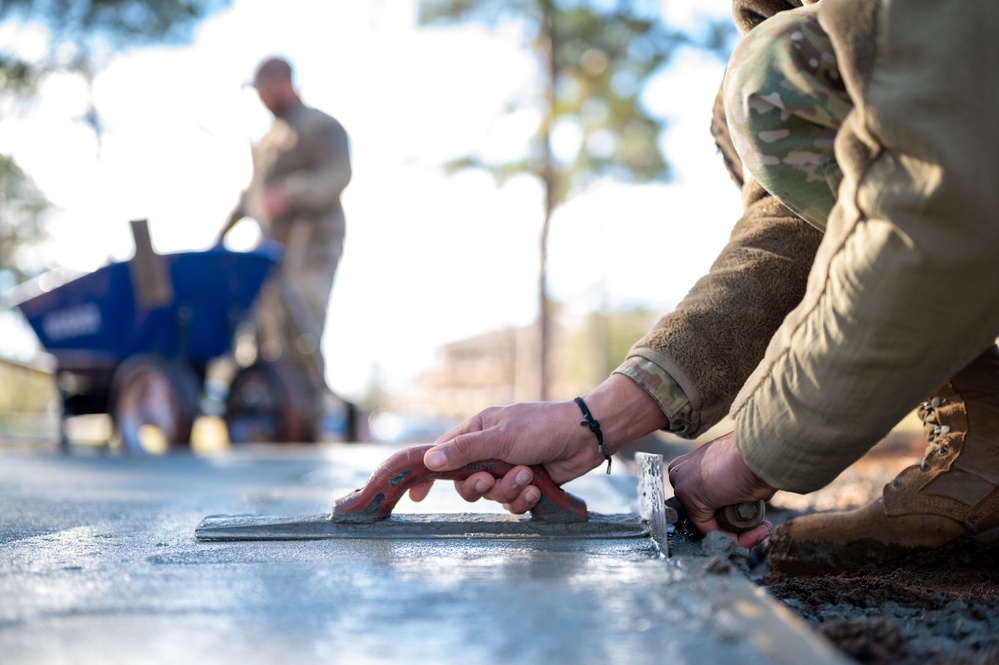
418 526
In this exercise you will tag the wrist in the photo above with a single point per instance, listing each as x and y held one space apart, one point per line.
625 412
576 437
593 425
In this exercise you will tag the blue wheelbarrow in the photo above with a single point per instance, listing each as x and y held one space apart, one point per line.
134 339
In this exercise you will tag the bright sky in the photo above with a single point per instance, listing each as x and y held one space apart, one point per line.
429 259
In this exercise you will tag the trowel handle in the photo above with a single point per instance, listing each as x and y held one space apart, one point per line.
741 517
736 518
398 473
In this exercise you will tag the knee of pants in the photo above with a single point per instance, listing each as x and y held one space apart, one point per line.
784 69
784 102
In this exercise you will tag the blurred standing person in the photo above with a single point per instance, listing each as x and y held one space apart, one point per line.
300 168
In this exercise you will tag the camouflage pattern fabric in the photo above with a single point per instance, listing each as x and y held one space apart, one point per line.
663 388
785 101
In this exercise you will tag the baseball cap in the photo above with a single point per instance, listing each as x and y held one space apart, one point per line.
270 68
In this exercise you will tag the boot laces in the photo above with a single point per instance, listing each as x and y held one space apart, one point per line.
934 431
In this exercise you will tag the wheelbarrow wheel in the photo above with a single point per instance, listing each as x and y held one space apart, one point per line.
153 404
269 402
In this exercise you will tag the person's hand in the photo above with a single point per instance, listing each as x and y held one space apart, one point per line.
275 202
713 476
545 433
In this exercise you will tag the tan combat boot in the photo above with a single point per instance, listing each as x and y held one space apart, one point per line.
951 494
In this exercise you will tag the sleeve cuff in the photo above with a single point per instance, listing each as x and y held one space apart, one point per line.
664 389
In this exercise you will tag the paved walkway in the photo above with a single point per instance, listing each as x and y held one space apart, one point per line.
98 564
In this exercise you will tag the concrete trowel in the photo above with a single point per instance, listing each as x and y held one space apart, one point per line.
367 512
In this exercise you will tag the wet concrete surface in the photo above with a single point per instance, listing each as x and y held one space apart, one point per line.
99 564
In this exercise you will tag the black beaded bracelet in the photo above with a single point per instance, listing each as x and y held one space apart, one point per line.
591 422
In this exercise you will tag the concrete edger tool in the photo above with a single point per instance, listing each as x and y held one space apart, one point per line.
367 512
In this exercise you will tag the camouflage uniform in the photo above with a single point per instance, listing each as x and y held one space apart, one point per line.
305 156
785 100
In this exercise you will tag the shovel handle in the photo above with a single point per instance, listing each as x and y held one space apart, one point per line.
398 473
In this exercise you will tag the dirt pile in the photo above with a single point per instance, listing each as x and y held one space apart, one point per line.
908 615
937 607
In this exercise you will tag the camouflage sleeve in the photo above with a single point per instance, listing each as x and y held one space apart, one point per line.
662 387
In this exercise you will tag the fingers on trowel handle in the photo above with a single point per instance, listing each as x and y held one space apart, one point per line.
741 517
401 471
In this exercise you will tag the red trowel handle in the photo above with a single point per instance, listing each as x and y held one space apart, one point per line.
398 473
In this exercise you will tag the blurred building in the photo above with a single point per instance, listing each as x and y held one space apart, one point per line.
495 368
501 367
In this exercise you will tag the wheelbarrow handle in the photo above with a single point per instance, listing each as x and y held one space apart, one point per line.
376 500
